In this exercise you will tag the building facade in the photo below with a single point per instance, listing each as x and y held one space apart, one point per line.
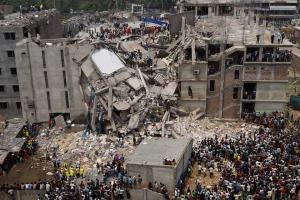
6 9
229 76
148 160
49 79
274 11
45 23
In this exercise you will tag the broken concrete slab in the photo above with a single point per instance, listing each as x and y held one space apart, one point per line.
121 105
134 83
131 46
60 121
170 89
106 61
133 122
159 79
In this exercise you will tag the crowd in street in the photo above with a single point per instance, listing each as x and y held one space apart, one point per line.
69 182
259 165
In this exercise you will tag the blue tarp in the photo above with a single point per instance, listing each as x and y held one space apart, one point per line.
295 102
154 21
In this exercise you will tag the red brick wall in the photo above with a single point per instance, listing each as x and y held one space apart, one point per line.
213 98
250 72
229 76
212 104
266 72
281 72
232 112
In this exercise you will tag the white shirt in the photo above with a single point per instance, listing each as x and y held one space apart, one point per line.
48 187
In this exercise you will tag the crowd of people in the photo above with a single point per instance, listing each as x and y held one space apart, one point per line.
283 56
66 182
262 164
269 56
252 56
259 165
29 131
119 30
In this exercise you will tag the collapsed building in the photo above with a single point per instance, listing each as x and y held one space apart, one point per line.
227 67
123 95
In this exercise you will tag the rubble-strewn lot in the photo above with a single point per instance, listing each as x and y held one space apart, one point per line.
89 150
206 127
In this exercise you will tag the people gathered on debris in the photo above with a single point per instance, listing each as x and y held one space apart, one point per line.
124 29
253 165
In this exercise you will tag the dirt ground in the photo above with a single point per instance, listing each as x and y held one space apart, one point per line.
205 181
30 170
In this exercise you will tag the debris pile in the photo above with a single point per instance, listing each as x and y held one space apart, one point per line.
209 128
16 19
72 147
130 98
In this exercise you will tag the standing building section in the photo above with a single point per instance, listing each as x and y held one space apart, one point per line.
149 160
50 79
275 11
14 28
234 69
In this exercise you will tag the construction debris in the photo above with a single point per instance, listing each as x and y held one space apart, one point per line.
73 147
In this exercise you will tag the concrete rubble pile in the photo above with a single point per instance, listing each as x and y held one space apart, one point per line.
73 147
209 128
129 96
18 19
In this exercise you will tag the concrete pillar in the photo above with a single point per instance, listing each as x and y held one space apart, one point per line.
262 37
242 17
251 17
234 11
251 26
181 8
257 20
264 23
221 103
261 33
246 21
217 10
260 54
196 11
251 21
209 11
194 52
110 99
183 29
258 73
